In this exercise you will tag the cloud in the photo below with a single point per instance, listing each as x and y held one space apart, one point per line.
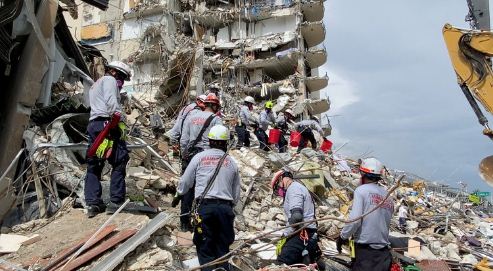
392 83
341 92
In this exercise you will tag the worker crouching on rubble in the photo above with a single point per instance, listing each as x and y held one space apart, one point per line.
193 141
282 122
104 97
297 246
177 130
266 117
244 121
305 128
217 189
371 233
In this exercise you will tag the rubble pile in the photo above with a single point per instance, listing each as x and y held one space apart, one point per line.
439 230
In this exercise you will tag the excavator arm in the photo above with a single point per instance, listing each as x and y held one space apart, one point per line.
470 52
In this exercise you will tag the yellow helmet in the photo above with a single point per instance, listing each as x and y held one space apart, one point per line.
269 104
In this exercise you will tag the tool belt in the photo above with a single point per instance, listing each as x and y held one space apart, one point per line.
358 245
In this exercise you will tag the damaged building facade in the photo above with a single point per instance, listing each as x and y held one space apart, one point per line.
270 50
42 66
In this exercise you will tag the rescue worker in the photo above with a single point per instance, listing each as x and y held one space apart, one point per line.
194 140
176 131
215 196
371 233
297 247
282 122
266 117
402 215
104 97
305 128
245 118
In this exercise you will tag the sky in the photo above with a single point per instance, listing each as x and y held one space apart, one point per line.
394 92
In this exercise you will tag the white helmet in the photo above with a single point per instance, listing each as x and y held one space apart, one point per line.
371 166
121 67
202 97
289 111
249 99
219 132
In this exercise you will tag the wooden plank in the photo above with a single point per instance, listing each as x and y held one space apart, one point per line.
433 265
62 258
117 256
39 191
99 249
413 248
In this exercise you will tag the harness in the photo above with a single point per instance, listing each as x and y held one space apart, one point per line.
191 150
195 217
183 120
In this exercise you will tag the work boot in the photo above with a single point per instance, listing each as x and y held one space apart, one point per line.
184 227
321 265
112 207
93 210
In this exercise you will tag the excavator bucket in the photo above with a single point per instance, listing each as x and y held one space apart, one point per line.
486 170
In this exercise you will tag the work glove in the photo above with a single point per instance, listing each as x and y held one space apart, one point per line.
123 130
176 200
280 244
103 148
340 241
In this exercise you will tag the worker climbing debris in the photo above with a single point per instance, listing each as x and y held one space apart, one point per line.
193 141
177 130
403 210
106 111
368 237
299 244
214 176
245 117
305 128
267 116
282 122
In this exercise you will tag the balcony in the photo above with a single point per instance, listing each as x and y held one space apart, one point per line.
313 33
316 83
316 57
313 11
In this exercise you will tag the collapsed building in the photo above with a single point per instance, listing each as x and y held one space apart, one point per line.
179 49
270 50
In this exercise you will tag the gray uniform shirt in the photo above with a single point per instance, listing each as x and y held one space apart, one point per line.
266 118
192 126
310 123
245 115
373 229
176 131
298 196
226 186
104 97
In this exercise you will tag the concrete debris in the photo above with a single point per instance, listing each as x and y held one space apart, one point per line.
178 51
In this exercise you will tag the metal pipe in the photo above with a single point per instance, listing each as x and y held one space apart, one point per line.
14 162
159 157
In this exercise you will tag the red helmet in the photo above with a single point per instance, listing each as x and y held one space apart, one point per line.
274 184
212 99
276 179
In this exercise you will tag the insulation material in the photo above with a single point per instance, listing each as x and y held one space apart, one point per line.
95 31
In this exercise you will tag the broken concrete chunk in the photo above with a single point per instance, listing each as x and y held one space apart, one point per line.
11 242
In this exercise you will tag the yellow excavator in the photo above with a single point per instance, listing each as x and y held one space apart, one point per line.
470 52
